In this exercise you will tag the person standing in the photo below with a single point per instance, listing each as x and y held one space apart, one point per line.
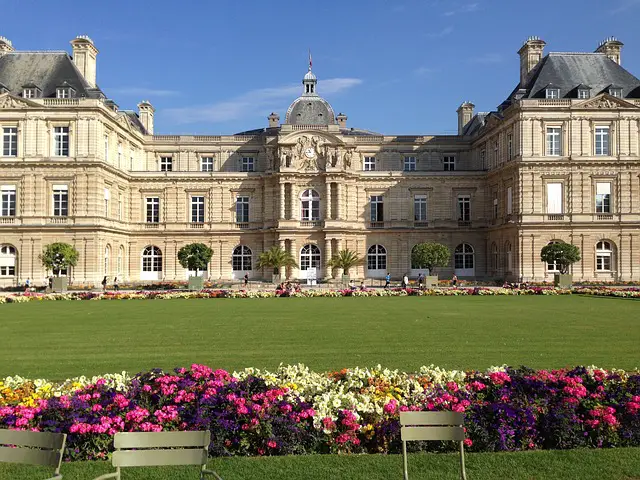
454 280
387 280
27 285
104 284
405 281
246 280
115 283
420 280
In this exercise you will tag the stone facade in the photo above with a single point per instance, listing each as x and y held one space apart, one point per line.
312 187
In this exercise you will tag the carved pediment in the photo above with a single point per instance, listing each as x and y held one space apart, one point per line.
605 101
8 101
124 121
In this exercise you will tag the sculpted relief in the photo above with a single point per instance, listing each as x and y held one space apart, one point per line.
313 153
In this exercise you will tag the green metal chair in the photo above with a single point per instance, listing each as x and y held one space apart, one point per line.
142 449
33 448
426 426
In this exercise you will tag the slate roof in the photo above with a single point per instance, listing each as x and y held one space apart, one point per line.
310 110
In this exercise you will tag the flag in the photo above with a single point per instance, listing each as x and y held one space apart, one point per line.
310 63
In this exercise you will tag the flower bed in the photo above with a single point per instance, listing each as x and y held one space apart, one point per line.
294 410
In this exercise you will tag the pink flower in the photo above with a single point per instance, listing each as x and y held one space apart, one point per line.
391 407
272 444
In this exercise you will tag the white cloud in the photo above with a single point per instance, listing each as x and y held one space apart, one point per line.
442 33
142 92
468 8
424 71
487 58
254 102
625 5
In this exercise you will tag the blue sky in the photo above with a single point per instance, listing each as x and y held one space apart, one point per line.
395 67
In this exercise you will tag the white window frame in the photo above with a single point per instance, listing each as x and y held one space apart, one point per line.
602 139
8 201
63 92
510 146
603 197
243 205
8 259
310 206
61 141
10 141
152 259
310 256
377 258
29 92
197 209
152 209
604 256
583 94
410 164
615 92
369 164
248 164
553 142
495 207
555 206
60 200
206 164
552 93
107 197
241 259
166 163
376 207
449 163
420 208
464 208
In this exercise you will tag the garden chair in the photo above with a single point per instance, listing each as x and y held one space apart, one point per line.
33 448
147 449
432 426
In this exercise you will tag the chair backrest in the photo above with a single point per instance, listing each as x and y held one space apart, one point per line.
432 426
32 448
142 449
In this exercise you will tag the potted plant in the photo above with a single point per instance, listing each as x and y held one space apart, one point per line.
276 258
563 255
57 257
429 256
195 257
344 259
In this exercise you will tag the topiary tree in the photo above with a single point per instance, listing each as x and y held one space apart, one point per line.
276 258
345 259
561 254
59 256
195 256
430 255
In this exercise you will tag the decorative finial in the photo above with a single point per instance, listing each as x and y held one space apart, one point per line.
310 62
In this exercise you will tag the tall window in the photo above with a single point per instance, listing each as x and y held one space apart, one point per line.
409 164
107 259
120 154
369 164
247 164
420 208
153 209
206 164
494 257
166 164
483 159
106 148
197 209
554 198
242 209
7 261
152 259
60 200
310 205
377 258
61 141
495 208
7 201
509 254
309 257
509 200
509 146
120 260
377 208
120 208
463 256
10 141
554 141
602 140
449 163
464 208
241 258
107 197
603 197
604 253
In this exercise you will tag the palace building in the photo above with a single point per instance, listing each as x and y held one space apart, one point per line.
558 160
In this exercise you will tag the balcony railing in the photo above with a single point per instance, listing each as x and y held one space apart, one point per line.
59 220
376 224
420 224
604 216
7 220
311 223
242 225
197 226
464 223
555 217
152 226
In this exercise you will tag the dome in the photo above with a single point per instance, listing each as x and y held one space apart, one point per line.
310 76
310 110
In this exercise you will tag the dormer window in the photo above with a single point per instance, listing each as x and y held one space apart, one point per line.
63 92
29 92
583 93
615 92
552 92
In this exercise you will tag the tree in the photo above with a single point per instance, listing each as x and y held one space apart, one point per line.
344 259
59 256
276 258
561 254
195 256
430 255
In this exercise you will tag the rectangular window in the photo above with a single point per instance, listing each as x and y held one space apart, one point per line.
602 140
197 209
206 164
7 271
107 197
10 141
29 93
509 200
554 141
449 163
247 164
7 201
603 197
615 92
583 93
106 148
369 164
61 141
119 154
496 149
60 200
553 93
483 159
464 208
377 208
554 198
63 93
242 210
420 208
153 209
409 164
166 164
495 208
120 207
509 146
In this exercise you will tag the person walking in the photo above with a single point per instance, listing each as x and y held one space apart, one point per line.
454 280
405 281
115 283
387 281
420 280
104 284
246 280
27 285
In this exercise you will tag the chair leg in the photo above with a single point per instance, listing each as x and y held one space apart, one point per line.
404 458
463 474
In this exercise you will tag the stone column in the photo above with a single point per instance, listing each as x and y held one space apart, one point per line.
282 200
294 211
328 214
339 200
294 253
327 257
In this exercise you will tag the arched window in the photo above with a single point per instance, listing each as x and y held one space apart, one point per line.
604 256
463 257
107 258
152 259
241 258
494 257
309 257
7 261
507 248
310 205
376 258
120 260
553 267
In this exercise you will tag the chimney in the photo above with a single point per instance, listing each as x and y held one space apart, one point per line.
5 46
611 47
145 112
274 120
342 120
530 55
465 114
84 56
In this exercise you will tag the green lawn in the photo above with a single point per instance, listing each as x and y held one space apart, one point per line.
60 339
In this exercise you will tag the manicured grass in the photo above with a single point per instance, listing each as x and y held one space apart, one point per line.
618 464
60 339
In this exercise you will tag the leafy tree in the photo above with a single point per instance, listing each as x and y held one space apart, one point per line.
344 259
430 255
59 256
562 254
276 258
195 256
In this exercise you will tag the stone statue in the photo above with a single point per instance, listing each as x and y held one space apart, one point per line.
346 159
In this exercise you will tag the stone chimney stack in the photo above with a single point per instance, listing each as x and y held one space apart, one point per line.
5 46
274 120
145 112
612 48
342 120
530 55
465 114
84 56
